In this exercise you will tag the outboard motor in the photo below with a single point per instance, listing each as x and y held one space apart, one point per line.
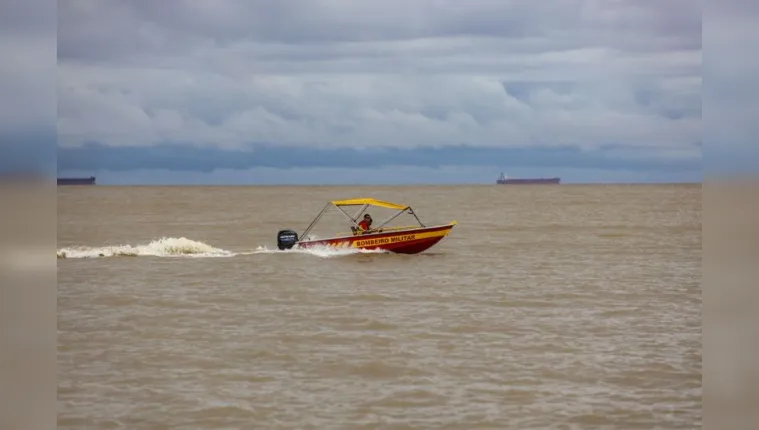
286 239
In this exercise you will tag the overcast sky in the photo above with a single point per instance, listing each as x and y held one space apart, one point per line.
335 91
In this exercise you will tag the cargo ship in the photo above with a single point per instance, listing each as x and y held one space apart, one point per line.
77 181
503 180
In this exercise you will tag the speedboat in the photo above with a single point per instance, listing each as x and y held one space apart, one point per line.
402 240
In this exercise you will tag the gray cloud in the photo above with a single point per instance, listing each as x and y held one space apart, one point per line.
659 25
489 73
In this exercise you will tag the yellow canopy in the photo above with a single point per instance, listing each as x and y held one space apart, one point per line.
370 202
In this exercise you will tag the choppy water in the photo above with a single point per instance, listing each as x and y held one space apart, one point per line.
547 307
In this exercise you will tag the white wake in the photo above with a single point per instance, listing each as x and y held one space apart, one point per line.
183 247
163 247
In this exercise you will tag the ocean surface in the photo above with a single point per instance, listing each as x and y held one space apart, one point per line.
559 306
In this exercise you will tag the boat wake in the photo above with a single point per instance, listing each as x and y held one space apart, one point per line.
183 247
163 247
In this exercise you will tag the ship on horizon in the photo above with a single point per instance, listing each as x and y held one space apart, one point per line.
77 181
503 180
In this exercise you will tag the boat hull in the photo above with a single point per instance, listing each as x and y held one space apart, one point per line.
408 241
77 181
529 181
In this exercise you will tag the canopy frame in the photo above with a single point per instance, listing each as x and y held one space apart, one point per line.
364 203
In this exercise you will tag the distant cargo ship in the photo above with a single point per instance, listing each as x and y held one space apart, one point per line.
519 181
77 181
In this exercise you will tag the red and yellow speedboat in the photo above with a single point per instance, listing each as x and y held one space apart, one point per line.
402 240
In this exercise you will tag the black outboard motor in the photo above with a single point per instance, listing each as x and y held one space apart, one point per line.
286 239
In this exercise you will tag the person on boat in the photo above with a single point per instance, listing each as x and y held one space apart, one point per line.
365 226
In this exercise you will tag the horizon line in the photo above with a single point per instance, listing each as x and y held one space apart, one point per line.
382 184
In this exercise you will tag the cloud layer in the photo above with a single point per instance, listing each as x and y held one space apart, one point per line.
491 75
330 74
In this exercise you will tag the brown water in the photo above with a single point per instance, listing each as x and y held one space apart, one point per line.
571 306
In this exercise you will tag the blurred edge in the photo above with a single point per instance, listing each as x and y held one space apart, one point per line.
28 389
28 293
730 339
730 333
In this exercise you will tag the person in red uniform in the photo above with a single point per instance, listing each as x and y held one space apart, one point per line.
365 225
